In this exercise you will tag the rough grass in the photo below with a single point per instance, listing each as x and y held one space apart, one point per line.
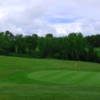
15 85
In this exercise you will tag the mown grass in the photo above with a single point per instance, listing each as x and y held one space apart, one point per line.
67 77
15 84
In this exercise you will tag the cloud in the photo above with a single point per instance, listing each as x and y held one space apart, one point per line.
63 29
59 17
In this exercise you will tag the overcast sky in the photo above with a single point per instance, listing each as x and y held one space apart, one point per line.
59 17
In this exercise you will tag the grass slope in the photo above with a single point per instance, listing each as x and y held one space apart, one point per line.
16 82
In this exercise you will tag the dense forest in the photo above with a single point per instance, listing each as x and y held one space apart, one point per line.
71 47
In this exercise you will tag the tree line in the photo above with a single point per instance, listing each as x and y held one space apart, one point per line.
71 47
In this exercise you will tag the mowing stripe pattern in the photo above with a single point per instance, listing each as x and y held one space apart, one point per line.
67 77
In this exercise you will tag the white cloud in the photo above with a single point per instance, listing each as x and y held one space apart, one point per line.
33 16
64 29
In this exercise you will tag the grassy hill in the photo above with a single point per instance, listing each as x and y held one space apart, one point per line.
48 79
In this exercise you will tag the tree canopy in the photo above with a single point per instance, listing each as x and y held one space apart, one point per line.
71 47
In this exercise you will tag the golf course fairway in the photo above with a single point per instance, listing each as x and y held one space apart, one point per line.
48 79
67 77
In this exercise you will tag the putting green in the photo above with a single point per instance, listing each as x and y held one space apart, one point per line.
67 77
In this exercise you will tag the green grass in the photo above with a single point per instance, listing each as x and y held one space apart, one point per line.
48 79
67 77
